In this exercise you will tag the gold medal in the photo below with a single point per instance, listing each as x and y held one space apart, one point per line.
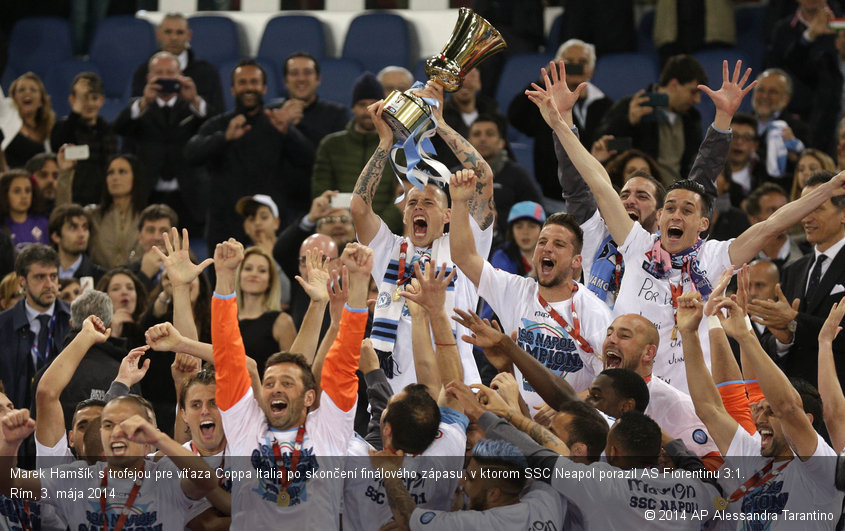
283 499
720 503
396 293
675 333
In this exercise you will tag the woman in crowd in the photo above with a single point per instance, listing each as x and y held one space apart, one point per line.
10 291
160 304
127 294
627 162
265 328
17 212
809 162
114 226
69 289
26 120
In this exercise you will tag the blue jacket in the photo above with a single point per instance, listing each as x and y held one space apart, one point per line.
16 367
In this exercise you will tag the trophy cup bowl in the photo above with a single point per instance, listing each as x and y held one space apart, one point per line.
472 41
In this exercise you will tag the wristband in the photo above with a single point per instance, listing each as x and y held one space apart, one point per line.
713 322
748 323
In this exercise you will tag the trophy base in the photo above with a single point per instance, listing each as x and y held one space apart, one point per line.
404 112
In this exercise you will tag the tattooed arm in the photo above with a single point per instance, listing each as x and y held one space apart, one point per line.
366 221
401 503
540 434
481 205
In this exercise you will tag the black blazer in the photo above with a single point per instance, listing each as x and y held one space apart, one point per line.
89 269
802 358
16 367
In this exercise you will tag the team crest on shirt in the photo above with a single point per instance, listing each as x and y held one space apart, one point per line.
551 346
269 472
383 300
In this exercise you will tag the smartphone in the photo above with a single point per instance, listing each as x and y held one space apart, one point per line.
575 69
86 283
620 144
343 200
77 152
657 99
169 85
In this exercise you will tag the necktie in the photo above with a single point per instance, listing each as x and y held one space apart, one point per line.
44 319
815 276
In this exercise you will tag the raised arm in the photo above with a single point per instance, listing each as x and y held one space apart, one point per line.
782 397
461 241
829 387
432 297
366 221
231 374
317 271
50 427
425 362
592 171
551 387
181 271
16 426
481 205
705 396
713 151
338 378
751 242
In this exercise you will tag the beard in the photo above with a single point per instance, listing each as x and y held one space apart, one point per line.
258 101
555 281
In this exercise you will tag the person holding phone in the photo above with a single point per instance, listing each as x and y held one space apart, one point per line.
85 129
157 126
662 120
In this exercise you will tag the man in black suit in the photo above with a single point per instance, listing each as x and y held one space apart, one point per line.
812 284
69 228
175 37
156 127
31 332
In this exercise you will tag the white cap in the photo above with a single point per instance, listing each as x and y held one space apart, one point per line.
261 199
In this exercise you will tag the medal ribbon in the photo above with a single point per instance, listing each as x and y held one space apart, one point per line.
286 478
124 513
755 480
618 273
573 331
400 275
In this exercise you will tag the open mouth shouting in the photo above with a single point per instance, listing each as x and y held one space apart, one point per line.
546 266
207 429
674 232
633 214
766 437
612 359
119 448
278 407
420 227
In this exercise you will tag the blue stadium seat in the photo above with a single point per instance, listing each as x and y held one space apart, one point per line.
274 90
711 60
750 34
58 80
645 33
214 38
337 78
553 41
419 71
36 44
119 45
621 74
286 34
524 153
519 70
377 40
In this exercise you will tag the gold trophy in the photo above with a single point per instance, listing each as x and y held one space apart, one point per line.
473 40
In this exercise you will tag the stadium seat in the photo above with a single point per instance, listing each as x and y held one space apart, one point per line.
645 33
519 70
377 40
214 38
58 80
621 74
274 88
36 44
119 45
711 60
750 34
286 34
337 78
